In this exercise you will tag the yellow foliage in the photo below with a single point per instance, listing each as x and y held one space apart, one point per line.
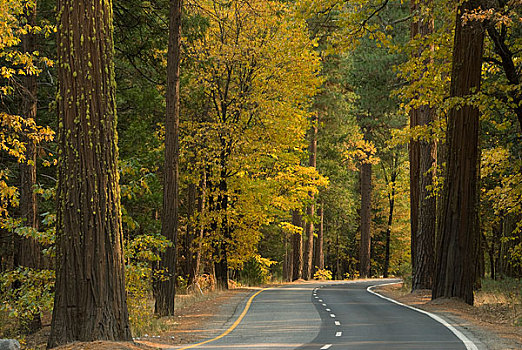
256 70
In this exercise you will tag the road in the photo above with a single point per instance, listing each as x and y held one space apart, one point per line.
342 315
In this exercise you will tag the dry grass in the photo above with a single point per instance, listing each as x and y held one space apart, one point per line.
502 299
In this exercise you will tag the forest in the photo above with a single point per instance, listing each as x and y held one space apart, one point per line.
154 148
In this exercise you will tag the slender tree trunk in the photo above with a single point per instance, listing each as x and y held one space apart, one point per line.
28 251
309 252
310 211
166 286
366 217
391 200
458 232
337 259
202 213
221 246
319 254
191 228
287 262
297 248
90 299
414 155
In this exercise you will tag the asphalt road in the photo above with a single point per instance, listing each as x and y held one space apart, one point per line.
333 316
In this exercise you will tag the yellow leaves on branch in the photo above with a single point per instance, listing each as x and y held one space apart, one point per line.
360 151
506 195
13 128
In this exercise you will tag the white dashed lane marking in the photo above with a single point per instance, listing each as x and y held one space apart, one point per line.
327 346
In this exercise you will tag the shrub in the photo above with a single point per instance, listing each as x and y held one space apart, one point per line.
26 292
323 274
256 271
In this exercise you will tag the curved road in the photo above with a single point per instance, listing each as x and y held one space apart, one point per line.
332 316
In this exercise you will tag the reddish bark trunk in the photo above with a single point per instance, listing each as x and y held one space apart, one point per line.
458 231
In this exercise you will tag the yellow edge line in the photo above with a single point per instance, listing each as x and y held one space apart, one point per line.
232 327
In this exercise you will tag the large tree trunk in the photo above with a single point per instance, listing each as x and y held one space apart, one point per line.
310 211
366 218
90 299
319 253
457 234
422 159
297 249
166 286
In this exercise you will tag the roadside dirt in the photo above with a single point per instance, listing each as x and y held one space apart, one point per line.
199 321
492 324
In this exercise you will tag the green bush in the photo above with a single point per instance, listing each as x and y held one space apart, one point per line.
256 271
26 293
140 254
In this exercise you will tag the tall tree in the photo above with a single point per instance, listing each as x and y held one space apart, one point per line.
310 211
392 181
458 231
319 251
166 289
28 251
90 300
422 161
366 218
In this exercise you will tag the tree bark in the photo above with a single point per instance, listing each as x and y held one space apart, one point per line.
297 249
310 211
90 299
458 232
366 217
422 277
166 286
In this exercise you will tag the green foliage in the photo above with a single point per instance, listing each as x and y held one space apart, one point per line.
140 254
256 271
26 292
